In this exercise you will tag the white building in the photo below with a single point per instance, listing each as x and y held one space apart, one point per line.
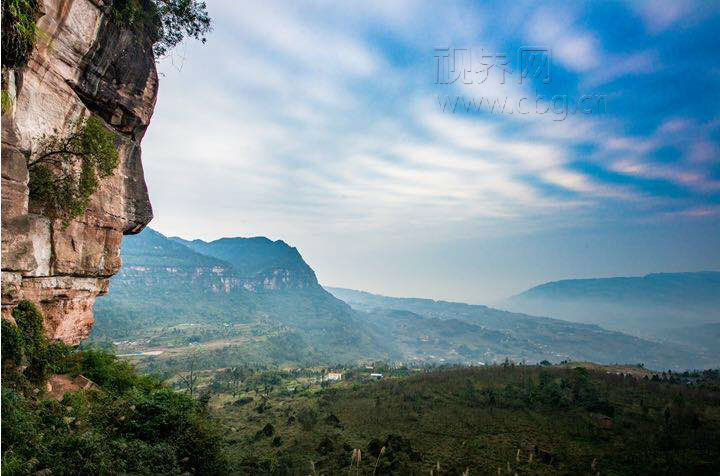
334 376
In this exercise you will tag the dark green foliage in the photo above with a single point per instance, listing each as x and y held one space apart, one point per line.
66 170
166 22
24 344
113 374
30 323
92 432
478 418
307 417
19 31
127 423
12 343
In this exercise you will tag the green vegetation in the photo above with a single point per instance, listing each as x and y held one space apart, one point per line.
167 22
125 423
24 346
65 170
19 31
241 300
7 100
567 419
169 298
525 420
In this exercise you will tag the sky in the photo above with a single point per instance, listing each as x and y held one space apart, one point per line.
448 150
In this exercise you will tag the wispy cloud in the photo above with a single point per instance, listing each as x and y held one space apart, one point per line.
661 15
318 120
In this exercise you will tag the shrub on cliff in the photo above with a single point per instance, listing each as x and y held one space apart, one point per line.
28 356
66 170
18 31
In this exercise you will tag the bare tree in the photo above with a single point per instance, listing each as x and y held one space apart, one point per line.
189 378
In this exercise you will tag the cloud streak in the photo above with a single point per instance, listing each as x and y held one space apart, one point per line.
320 120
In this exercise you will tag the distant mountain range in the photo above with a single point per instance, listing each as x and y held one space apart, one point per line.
647 306
476 332
254 299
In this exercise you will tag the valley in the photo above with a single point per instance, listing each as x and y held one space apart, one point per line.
239 300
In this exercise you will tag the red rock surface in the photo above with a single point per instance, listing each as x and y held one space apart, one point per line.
83 64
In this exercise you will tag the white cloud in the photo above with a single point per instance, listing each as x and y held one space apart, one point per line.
661 14
294 130
581 51
275 26
576 49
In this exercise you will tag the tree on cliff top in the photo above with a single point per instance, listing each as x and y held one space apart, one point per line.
167 21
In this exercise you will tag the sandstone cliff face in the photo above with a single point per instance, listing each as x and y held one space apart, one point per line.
83 64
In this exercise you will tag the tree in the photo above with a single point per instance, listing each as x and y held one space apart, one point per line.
167 22
66 170
307 417
189 378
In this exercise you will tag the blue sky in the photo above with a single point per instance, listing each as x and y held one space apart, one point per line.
321 123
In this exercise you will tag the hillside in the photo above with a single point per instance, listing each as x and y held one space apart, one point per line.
646 306
704 338
526 420
474 333
168 297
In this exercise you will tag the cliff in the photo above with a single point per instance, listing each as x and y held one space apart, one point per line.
259 263
83 63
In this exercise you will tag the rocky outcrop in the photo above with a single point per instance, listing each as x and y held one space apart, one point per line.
82 64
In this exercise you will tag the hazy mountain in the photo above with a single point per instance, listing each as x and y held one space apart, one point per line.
645 306
262 263
167 294
453 330
241 299
703 339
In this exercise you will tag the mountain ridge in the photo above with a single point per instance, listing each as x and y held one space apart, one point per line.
647 278
259 259
174 292
167 293
640 305
545 337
